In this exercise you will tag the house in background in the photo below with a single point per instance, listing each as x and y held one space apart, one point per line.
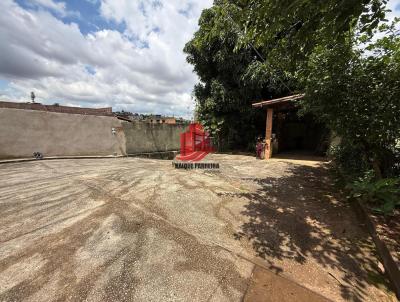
159 119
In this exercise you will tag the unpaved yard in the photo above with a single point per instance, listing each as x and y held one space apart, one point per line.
139 230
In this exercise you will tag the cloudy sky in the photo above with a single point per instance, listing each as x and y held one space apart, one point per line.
95 53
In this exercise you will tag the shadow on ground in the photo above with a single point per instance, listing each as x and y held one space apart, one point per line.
299 218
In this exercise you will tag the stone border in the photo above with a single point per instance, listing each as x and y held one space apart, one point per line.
166 155
21 160
391 268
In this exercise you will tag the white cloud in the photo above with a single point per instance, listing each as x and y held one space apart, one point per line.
104 68
394 7
58 7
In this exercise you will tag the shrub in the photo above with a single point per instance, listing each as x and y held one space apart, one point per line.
348 161
382 194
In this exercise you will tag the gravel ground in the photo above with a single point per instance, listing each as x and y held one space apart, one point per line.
139 230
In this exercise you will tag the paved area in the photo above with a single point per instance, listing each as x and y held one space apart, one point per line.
139 230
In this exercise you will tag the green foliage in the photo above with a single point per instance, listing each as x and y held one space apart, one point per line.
348 162
383 194
292 29
357 93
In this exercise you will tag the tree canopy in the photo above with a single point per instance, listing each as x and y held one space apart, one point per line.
229 82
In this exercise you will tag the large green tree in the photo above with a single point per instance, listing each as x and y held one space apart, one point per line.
230 81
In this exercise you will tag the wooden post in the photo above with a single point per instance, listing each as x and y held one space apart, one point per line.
268 133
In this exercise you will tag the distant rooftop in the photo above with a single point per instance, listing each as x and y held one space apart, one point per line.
58 108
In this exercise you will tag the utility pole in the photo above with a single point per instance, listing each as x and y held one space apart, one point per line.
33 96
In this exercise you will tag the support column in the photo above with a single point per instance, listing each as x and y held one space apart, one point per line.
268 133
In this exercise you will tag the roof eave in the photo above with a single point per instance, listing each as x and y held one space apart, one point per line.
278 101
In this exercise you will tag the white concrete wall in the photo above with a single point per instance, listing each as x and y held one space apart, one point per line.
146 137
23 132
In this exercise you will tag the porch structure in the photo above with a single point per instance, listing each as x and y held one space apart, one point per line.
270 106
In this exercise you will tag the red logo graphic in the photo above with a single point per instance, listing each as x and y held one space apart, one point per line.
195 144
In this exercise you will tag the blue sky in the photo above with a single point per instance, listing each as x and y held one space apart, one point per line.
83 12
121 53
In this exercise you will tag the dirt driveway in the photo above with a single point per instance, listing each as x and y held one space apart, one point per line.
139 230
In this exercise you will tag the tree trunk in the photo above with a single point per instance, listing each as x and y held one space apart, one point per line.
377 169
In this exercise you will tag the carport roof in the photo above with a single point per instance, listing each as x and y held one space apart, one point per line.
278 101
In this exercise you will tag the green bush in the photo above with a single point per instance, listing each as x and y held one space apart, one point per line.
383 194
348 162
